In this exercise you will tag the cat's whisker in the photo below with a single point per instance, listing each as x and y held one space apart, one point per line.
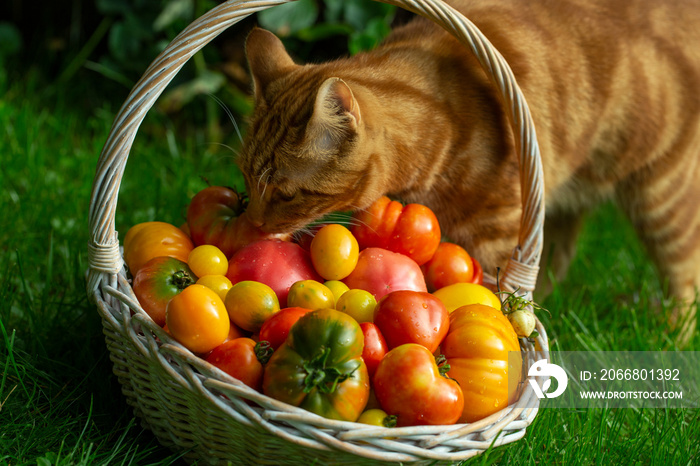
230 115
261 176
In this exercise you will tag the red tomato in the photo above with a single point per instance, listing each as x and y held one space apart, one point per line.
158 281
450 264
242 359
412 317
412 230
478 273
216 216
276 328
410 386
276 263
375 347
380 271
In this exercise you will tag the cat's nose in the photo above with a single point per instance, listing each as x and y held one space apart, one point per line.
256 220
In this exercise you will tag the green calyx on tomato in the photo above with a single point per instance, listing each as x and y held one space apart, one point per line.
320 367
263 351
321 376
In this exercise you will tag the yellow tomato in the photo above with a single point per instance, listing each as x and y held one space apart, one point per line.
310 294
337 288
334 252
207 260
218 283
197 318
358 304
461 294
377 417
250 304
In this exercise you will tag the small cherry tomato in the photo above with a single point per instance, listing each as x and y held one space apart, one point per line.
250 304
276 328
242 359
450 264
197 318
410 385
218 283
359 304
375 347
310 294
337 288
377 417
207 260
334 252
461 294
412 317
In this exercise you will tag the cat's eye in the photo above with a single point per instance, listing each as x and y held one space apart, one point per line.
286 197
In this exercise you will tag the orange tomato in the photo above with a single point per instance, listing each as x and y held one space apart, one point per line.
147 240
197 318
483 353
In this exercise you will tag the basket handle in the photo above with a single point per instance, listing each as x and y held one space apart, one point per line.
104 258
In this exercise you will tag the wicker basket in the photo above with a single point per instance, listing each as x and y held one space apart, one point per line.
198 410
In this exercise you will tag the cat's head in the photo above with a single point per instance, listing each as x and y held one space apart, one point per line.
303 156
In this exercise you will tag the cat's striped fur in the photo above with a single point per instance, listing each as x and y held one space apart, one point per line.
613 88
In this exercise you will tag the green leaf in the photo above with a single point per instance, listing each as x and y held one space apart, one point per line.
174 10
10 39
377 29
289 18
359 13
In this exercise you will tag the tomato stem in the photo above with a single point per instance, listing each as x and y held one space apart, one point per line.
389 421
182 279
263 351
320 377
441 362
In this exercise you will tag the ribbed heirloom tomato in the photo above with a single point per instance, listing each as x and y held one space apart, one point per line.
412 230
216 215
483 353
147 240
320 367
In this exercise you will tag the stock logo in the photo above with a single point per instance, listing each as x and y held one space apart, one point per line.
542 368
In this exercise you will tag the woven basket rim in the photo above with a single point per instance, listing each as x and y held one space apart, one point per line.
131 334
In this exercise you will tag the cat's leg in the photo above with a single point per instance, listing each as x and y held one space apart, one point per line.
559 247
663 203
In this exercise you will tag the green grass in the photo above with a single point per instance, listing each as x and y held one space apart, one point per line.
60 403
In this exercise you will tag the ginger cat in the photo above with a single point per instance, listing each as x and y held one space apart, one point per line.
613 88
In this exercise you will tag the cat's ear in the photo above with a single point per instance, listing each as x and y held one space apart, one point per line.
336 114
267 58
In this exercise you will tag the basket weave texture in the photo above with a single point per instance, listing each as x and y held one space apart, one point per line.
194 408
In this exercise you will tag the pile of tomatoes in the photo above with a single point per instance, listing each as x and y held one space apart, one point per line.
379 322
